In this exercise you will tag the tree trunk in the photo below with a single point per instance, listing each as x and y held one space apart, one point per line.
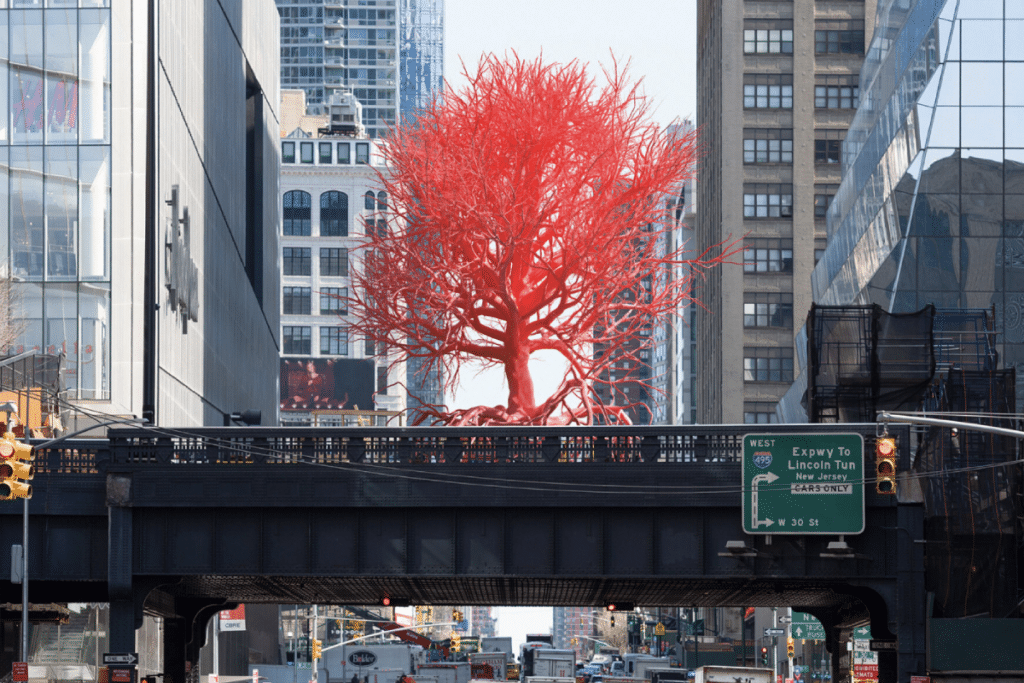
520 383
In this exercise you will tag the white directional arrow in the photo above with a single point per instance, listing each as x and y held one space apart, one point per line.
799 631
767 478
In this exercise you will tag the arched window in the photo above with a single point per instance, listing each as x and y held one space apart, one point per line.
334 214
369 201
382 201
297 212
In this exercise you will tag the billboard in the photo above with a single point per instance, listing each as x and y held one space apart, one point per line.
327 384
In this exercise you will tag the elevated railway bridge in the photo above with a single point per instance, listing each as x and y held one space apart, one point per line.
181 522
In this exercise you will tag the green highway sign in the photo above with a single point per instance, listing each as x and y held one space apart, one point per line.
803 483
806 626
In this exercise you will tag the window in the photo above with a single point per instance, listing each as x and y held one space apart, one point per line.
362 152
382 380
758 412
334 262
839 37
768 256
836 91
297 340
343 153
334 214
382 201
325 152
369 201
306 148
369 348
296 300
767 145
768 91
818 255
766 200
334 341
768 36
287 152
297 261
766 364
768 309
823 195
333 301
297 212
828 146
382 229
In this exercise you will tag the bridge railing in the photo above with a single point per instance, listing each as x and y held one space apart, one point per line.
421 446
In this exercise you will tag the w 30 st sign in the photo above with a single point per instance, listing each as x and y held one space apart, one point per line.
803 483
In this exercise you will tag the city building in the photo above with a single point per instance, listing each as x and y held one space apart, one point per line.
575 628
482 622
330 195
931 206
778 86
388 53
139 165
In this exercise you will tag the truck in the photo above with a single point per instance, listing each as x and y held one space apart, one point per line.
496 644
342 662
550 679
732 674
644 668
446 672
673 675
489 665
633 660
547 662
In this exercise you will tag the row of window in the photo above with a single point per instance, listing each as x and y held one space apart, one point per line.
333 262
768 364
775 91
326 152
775 146
297 212
767 200
775 36
298 339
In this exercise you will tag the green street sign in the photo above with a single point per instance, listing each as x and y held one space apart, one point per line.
806 626
803 484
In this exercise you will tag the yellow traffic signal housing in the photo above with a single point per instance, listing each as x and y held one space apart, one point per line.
456 642
15 468
456 615
790 648
316 648
885 465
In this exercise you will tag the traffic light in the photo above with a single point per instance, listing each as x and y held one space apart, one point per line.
316 648
388 601
15 468
764 656
612 619
456 615
790 648
885 465
456 642
620 607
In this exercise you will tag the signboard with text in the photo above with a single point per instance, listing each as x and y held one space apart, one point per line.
232 619
865 662
806 627
803 483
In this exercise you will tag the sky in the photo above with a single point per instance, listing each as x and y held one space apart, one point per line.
518 621
658 37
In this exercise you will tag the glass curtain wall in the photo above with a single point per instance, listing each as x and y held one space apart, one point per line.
55 182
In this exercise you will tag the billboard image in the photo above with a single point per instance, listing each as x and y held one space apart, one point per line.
327 384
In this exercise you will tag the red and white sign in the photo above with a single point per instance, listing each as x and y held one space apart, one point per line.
920 679
233 619
865 671
255 676
121 675
213 678
20 671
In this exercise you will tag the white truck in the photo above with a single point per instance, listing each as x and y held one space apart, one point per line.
343 662
489 665
644 668
496 644
732 674
551 679
546 662
446 672
634 662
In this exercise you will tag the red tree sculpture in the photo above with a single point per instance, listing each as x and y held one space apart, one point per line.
526 215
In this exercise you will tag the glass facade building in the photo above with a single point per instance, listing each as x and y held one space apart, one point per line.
388 53
55 177
930 209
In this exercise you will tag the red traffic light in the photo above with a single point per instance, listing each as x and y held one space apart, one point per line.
386 601
620 607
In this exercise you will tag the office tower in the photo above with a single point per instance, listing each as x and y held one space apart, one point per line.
778 86
137 165
388 53
931 206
